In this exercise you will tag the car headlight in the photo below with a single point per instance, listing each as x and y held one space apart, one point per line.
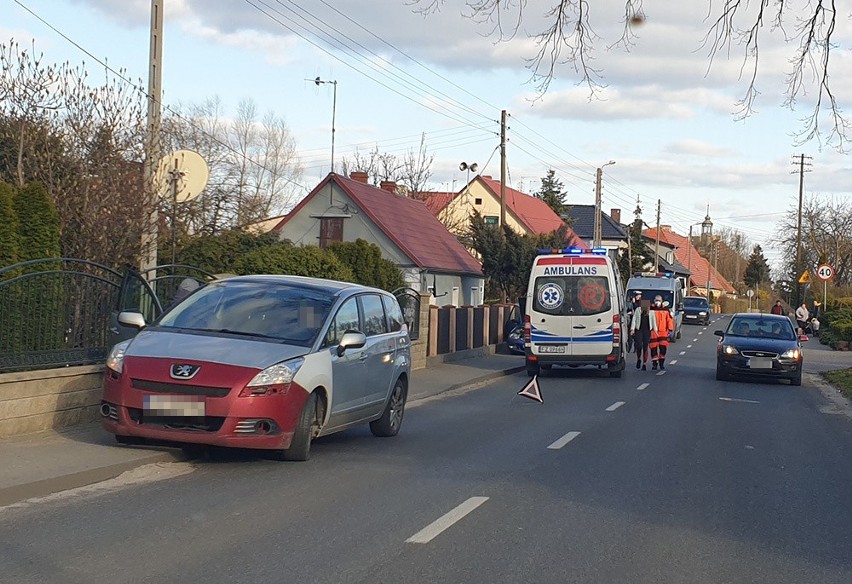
115 359
791 354
702 313
729 349
270 379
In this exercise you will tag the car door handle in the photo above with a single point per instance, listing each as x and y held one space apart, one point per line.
362 357
580 326
114 330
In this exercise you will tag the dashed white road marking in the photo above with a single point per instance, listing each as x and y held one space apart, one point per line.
694 340
643 386
564 440
684 352
689 346
700 332
673 362
734 399
441 524
663 372
615 406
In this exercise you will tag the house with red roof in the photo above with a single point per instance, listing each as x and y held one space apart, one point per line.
702 272
348 208
525 214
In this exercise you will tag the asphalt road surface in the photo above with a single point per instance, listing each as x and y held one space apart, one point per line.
649 478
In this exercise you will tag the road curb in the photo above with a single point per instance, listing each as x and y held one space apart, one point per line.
49 486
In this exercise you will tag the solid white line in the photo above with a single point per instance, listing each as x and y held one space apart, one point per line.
663 372
441 524
564 440
683 352
733 399
673 362
643 386
615 406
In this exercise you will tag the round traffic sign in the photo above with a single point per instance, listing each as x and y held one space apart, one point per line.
825 272
749 293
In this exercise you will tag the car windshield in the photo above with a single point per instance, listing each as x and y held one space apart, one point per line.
650 295
695 302
777 329
291 314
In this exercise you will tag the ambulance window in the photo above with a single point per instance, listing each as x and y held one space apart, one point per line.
591 295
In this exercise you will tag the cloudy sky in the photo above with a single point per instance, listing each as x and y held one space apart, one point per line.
662 111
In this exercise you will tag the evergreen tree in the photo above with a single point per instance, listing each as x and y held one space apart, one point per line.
8 226
757 270
552 192
38 223
639 251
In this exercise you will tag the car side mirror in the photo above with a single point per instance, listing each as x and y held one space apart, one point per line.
719 333
804 338
680 307
351 340
132 319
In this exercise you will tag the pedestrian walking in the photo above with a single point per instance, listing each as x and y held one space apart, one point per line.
802 317
777 308
641 328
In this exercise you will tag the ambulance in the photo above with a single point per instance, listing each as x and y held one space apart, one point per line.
665 285
575 312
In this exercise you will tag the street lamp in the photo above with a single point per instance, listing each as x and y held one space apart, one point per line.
318 82
596 239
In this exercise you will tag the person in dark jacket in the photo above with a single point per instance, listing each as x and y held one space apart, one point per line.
777 308
642 327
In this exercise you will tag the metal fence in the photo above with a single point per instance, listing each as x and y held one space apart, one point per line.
58 312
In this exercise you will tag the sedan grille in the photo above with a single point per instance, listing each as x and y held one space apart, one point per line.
765 354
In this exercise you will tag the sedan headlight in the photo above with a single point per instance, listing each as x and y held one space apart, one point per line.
115 360
277 375
702 313
791 354
729 349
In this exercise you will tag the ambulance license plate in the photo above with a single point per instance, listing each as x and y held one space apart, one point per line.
551 349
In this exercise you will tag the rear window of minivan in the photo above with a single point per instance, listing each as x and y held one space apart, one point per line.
572 296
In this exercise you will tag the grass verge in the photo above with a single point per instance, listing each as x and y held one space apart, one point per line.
841 379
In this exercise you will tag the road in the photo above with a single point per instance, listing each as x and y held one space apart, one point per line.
649 478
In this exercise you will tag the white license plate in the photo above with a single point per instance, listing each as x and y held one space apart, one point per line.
552 349
759 363
174 405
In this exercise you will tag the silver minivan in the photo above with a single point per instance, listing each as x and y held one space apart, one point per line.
267 362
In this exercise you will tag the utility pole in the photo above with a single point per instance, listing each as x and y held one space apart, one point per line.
657 245
152 142
797 275
502 170
596 236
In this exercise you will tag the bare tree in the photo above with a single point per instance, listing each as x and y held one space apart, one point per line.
411 172
568 38
826 237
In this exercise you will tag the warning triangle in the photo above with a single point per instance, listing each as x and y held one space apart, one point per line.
532 390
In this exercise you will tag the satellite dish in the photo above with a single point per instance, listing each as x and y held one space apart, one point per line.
181 176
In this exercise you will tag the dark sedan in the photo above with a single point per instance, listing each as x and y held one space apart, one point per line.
696 310
760 345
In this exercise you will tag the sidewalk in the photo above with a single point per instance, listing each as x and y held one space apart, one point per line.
40 464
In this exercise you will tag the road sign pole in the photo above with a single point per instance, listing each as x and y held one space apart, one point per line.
824 294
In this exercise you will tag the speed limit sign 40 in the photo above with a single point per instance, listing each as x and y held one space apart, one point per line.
825 272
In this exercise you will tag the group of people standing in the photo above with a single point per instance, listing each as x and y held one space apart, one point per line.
806 320
650 328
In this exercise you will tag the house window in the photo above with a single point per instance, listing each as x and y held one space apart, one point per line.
477 201
491 219
331 230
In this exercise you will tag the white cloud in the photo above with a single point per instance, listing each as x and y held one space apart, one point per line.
698 148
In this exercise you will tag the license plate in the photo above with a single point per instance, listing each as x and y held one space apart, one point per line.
173 405
758 363
690 316
552 349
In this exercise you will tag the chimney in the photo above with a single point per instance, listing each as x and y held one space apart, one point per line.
616 215
388 185
665 227
488 176
360 176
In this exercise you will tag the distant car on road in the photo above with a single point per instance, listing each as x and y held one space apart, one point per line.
760 345
266 362
515 340
696 310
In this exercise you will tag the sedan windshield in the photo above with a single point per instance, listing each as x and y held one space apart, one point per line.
291 314
695 302
776 329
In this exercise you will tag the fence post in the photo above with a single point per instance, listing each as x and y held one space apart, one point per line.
420 347
433 331
452 327
486 325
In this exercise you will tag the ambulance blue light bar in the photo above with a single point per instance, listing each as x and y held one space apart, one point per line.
567 250
599 250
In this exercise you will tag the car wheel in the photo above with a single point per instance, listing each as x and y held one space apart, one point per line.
532 369
797 380
300 446
720 374
616 372
391 420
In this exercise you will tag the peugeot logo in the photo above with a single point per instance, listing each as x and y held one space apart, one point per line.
184 371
